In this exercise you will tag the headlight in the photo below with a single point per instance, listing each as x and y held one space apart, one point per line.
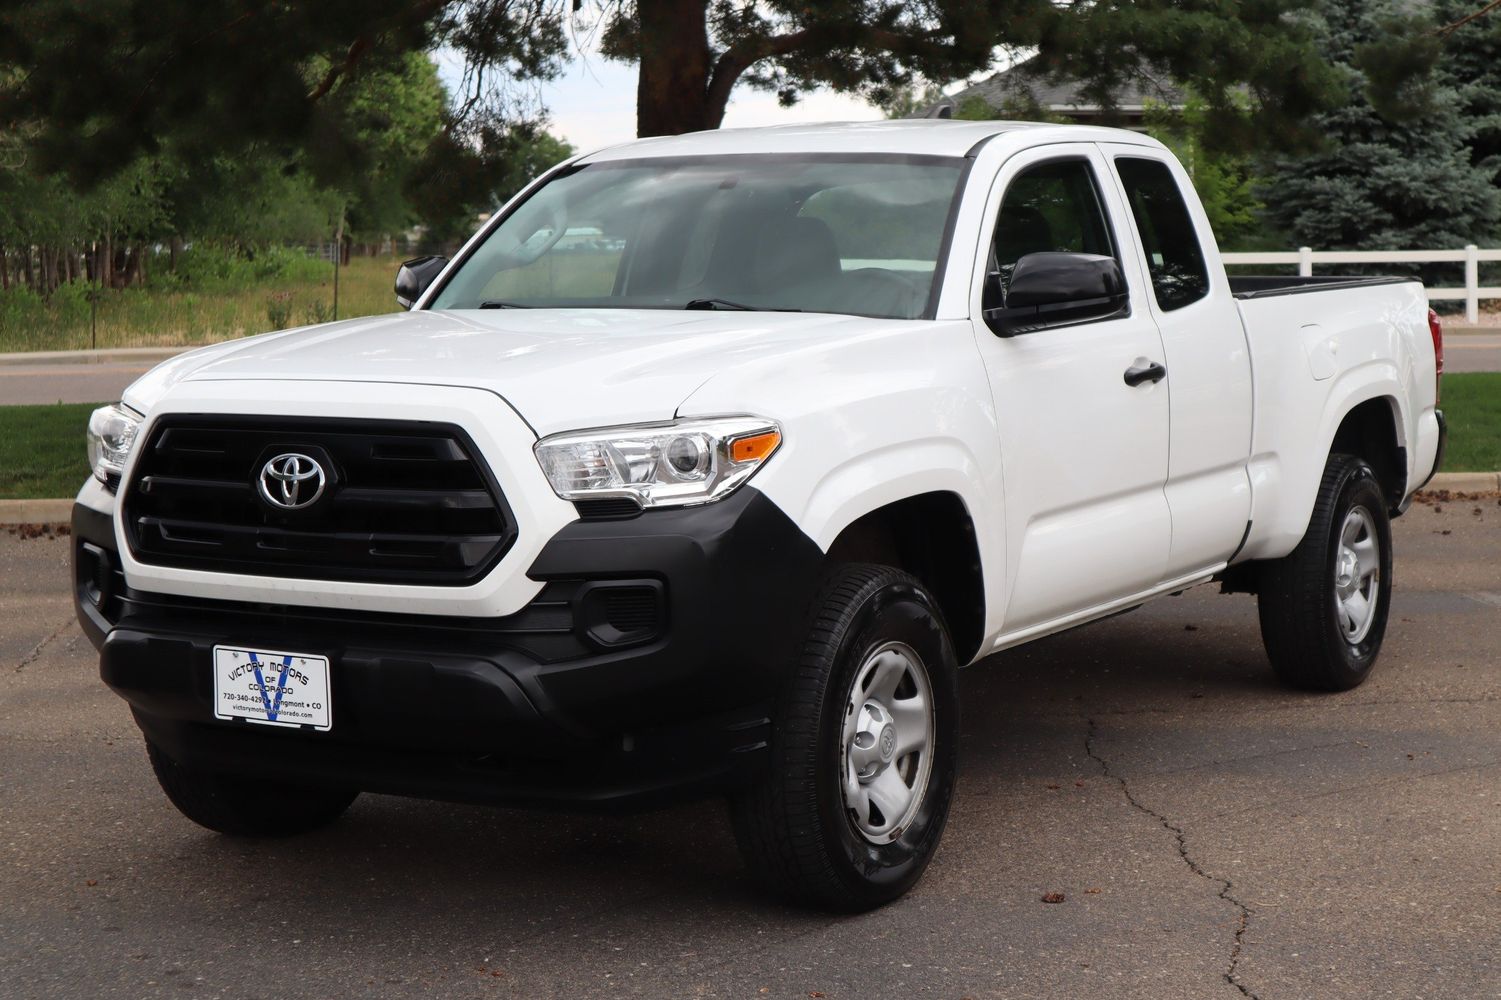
112 432
663 465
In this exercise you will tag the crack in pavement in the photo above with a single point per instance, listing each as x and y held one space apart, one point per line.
36 650
1181 838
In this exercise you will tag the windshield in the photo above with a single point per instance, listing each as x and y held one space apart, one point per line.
844 234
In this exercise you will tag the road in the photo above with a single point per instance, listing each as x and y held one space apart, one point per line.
67 383
1201 823
1472 352
32 382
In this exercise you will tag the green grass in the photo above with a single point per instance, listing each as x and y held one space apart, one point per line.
42 447
42 451
1472 405
166 317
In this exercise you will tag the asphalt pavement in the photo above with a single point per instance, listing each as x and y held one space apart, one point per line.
1472 352
1212 836
101 380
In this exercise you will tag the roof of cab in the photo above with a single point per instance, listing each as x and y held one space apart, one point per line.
932 136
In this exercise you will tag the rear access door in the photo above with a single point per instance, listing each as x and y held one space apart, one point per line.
1208 361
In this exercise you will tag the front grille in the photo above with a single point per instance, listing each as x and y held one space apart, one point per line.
406 501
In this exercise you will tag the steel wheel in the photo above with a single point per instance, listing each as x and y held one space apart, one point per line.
864 751
1324 605
1357 575
886 748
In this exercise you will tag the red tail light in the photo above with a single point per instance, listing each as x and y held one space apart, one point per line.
1437 329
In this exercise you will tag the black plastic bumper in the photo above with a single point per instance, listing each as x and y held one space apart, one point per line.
1443 444
571 700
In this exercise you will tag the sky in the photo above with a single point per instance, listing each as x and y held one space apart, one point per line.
593 103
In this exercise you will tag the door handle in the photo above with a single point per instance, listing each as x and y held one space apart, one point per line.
1137 374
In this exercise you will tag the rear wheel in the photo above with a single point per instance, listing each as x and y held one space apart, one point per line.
863 752
247 807
1324 606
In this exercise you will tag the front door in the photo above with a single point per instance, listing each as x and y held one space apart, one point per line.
1084 454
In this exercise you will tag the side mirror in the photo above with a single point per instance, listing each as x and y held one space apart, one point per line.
413 277
1055 289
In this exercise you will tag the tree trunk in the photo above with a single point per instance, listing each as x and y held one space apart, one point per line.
174 247
26 268
672 85
4 270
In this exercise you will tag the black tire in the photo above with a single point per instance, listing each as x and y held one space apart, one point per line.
793 826
247 807
1301 624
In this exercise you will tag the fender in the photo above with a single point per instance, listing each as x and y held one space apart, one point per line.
905 413
1285 483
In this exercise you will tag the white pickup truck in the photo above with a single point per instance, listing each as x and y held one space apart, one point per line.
706 464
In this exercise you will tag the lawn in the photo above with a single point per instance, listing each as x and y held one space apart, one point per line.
1472 404
155 317
42 451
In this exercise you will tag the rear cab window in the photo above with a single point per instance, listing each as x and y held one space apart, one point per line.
1175 260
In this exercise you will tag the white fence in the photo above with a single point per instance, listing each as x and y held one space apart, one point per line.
1470 257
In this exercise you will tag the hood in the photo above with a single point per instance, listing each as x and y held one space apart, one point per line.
560 369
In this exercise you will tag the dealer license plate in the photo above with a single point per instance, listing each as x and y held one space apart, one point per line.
272 688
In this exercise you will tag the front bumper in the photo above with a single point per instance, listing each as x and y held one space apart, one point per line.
577 699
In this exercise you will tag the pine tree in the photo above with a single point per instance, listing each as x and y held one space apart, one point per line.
1398 173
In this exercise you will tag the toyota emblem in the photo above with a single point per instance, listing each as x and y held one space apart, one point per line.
291 481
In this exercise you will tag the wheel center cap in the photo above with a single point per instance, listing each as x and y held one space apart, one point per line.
1345 573
887 742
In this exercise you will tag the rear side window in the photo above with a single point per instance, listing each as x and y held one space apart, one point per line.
1174 257
1052 206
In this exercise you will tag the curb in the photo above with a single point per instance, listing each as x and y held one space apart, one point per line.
36 511
99 357
1465 482
61 511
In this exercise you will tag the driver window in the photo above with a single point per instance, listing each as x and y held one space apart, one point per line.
1053 206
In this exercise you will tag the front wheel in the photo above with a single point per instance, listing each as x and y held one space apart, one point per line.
864 749
1324 606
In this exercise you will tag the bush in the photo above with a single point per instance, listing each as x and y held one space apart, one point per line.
206 267
21 309
279 310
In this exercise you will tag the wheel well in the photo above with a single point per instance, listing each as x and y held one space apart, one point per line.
1370 431
932 537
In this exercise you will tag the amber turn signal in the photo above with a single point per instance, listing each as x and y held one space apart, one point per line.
755 447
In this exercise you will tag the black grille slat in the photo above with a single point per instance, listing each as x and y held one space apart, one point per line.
406 502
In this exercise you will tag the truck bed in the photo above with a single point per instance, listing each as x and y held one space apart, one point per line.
1262 286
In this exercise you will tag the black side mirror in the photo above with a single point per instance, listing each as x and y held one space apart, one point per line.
1055 289
413 277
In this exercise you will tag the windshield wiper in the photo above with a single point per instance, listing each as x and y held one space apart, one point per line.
501 304
727 304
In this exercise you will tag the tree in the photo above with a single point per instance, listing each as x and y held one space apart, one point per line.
1396 169
108 80
1225 180
692 53
101 83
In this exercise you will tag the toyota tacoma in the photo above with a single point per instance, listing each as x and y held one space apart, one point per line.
706 464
